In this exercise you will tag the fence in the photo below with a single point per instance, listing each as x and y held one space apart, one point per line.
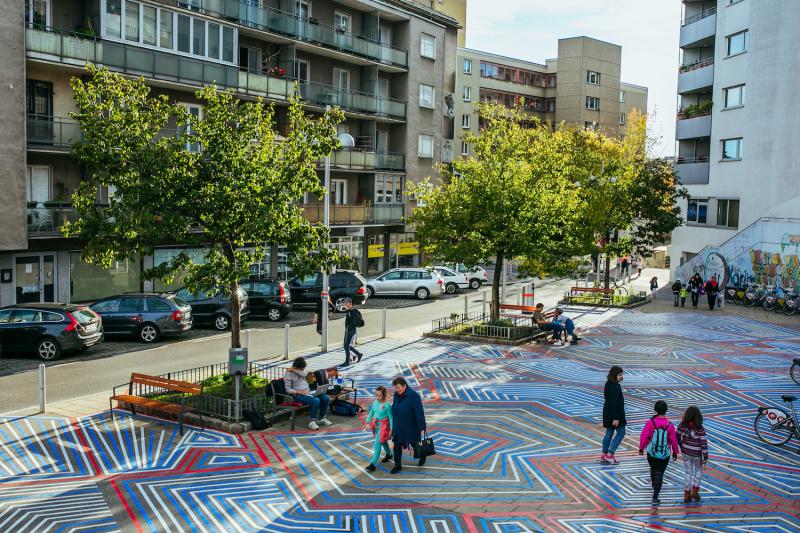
479 325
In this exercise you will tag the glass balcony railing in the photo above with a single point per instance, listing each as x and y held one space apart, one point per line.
46 218
250 14
73 49
355 214
51 133
358 160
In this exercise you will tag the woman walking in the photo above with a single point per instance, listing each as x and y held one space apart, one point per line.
379 419
712 288
695 284
613 415
653 287
658 437
694 447
408 418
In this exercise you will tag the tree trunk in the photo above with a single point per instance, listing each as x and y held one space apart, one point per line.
236 319
498 271
607 280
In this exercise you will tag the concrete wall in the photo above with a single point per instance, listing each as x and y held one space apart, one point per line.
13 222
458 10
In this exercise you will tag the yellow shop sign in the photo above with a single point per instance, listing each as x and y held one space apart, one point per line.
406 248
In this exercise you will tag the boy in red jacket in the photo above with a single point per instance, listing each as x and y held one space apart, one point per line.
658 438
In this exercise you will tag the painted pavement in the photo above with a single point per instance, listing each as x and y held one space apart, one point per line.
516 430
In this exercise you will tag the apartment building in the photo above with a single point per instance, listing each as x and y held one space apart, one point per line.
387 63
736 129
581 87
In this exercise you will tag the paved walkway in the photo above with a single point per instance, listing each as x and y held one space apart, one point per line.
516 430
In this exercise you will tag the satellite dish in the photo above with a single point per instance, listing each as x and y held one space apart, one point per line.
347 140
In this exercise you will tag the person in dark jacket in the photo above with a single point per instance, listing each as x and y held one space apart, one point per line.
353 321
676 291
613 415
695 285
409 421
712 289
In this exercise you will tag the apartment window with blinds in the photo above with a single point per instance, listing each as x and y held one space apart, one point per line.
426 96
732 149
465 121
728 213
425 146
428 46
592 77
592 103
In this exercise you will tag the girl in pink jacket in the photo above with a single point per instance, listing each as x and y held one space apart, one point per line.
659 439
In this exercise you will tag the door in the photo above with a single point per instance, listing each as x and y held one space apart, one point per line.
107 309
306 290
35 278
381 141
389 283
338 192
302 10
39 108
27 325
385 38
130 314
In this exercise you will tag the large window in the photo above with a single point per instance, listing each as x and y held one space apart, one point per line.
467 94
732 149
734 96
737 43
388 189
592 77
593 103
113 18
149 25
728 213
467 66
342 22
697 211
513 100
427 46
91 282
165 255
427 95
513 74
39 184
132 21
425 145
195 111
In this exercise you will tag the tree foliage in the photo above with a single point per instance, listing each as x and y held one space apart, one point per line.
222 184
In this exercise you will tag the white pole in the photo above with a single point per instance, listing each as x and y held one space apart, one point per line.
326 221
483 307
286 328
42 389
383 324
503 288
466 304
248 339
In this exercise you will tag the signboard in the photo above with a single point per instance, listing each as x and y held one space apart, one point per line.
406 248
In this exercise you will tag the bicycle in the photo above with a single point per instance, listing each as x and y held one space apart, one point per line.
734 295
794 371
769 300
775 426
754 295
791 303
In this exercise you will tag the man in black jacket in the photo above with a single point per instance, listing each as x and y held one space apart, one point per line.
352 322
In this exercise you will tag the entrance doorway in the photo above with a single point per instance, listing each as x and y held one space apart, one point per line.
35 278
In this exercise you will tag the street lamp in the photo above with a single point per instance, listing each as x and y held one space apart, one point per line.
326 221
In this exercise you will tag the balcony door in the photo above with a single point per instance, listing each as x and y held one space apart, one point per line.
39 110
338 192
35 278
38 13
302 12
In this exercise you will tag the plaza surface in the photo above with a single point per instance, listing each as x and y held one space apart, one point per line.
517 432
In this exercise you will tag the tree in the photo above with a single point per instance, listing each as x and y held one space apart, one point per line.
514 199
223 184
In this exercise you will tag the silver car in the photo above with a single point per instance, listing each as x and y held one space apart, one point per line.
418 282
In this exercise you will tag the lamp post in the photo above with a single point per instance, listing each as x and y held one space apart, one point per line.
326 220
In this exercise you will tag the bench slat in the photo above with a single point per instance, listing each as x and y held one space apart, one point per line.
154 404
171 384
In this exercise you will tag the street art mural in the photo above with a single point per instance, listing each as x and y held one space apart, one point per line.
766 253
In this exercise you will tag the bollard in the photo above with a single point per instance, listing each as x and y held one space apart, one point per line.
286 341
383 324
42 389
466 305
483 306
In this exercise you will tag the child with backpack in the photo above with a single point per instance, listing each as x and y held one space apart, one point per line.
694 447
658 438
683 294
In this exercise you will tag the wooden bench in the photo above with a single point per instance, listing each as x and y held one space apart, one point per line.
524 309
153 384
600 295
541 334
284 403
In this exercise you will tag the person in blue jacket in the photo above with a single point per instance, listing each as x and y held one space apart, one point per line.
409 421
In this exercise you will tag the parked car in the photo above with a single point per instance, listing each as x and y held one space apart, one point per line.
418 282
48 329
214 309
269 297
307 290
148 316
477 275
453 282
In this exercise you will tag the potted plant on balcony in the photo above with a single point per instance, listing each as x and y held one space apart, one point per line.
276 71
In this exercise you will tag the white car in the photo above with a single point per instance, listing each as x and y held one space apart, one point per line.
477 276
453 281
418 282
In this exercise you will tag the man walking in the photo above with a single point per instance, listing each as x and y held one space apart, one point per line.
352 322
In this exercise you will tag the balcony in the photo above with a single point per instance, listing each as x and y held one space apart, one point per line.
357 160
693 127
46 218
342 215
697 77
308 31
51 133
700 29
75 50
692 170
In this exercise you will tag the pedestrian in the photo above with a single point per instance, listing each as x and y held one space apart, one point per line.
567 325
352 322
625 264
694 447
653 287
297 386
712 289
676 291
639 265
684 293
695 284
613 415
408 418
380 420
318 313
658 438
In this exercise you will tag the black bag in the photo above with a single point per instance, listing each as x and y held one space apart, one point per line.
321 377
335 389
345 408
424 448
256 419
277 387
359 318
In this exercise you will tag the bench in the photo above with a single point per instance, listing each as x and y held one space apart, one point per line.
597 295
284 403
524 309
152 384
539 335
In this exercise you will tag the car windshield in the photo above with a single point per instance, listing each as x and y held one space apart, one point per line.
83 316
180 302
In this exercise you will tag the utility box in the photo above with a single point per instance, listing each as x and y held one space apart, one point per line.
237 361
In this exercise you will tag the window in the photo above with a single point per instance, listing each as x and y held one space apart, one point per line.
149 25
157 304
132 21
464 148
37 188
184 30
737 43
467 66
551 105
592 77
107 306
199 37
165 30
388 189
392 276
213 40
38 13
342 22
590 126
622 119
728 213
227 44
195 111
732 149
5 316
427 46
465 121
467 94
734 96
131 305
113 18
425 145
426 95
593 103
341 79
697 211
27 315
622 97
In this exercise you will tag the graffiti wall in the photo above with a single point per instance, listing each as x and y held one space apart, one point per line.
766 253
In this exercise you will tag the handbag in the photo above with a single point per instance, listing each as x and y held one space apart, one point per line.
424 448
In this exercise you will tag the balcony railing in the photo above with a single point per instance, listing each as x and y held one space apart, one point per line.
696 65
46 218
355 214
692 159
358 160
75 49
700 16
52 133
250 14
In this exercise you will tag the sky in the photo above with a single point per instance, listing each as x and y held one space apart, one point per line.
647 30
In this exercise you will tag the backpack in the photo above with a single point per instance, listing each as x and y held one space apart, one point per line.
256 419
345 408
359 318
659 443
321 377
278 389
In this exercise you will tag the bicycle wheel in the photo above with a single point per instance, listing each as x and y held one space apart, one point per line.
749 299
795 372
775 435
789 307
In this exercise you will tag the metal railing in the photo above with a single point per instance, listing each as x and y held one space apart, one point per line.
52 133
355 214
691 159
263 18
700 16
696 65
477 324
354 159
76 49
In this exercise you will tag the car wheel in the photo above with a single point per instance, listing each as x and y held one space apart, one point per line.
48 349
370 292
451 288
149 333
338 304
422 293
222 322
273 314
475 284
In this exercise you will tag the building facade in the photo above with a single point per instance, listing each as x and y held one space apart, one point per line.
387 63
736 133
581 87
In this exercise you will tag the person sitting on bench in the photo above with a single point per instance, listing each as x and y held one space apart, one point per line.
545 325
566 325
297 385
